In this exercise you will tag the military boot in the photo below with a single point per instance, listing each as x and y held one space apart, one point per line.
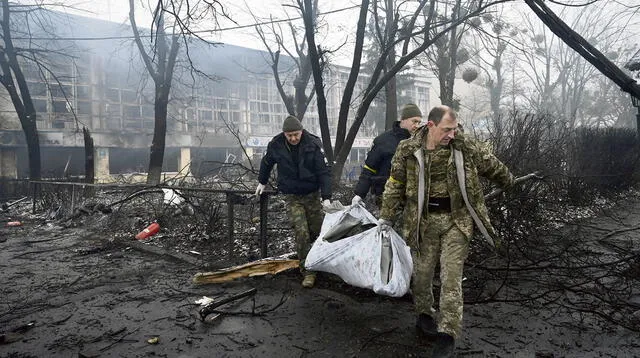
444 346
427 325
309 279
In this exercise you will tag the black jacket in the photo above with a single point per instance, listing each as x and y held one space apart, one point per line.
307 176
375 172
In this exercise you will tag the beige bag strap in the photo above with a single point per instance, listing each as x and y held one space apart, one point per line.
459 162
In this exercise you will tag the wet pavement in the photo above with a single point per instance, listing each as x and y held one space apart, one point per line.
89 296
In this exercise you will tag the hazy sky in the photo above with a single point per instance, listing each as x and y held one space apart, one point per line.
233 33
339 18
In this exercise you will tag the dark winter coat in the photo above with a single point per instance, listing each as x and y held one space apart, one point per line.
375 172
308 175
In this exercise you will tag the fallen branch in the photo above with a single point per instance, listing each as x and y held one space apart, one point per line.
256 268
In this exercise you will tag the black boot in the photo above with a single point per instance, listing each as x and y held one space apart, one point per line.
427 325
444 346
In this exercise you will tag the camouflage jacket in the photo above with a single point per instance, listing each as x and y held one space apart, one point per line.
408 184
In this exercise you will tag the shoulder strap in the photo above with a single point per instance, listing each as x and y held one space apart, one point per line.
459 162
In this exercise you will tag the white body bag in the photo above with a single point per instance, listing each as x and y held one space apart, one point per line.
377 261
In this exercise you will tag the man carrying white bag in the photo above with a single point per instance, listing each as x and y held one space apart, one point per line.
375 259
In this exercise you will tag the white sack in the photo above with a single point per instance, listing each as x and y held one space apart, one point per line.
357 259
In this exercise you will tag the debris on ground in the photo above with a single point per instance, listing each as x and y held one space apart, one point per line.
268 266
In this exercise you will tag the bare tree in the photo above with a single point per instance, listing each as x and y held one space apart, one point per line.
160 57
546 75
447 54
298 102
13 75
421 30
584 48
160 60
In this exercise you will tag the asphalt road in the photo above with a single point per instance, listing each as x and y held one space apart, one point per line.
76 293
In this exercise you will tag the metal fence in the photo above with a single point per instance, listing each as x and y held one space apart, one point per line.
212 211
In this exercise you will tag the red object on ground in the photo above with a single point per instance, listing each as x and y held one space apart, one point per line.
14 223
149 231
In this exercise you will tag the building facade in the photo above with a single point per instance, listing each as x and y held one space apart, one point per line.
107 90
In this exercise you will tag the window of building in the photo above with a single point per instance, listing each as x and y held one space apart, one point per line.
61 90
40 105
131 111
37 89
221 116
113 94
82 92
129 96
148 111
277 108
57 124
205 116
84 107
113 110
222 103
30 71
83 72
60 107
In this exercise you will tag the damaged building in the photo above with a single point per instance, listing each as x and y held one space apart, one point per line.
96 80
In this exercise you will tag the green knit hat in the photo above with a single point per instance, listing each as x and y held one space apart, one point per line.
291 124
410 110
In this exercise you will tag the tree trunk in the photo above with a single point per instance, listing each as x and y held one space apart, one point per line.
33 145
89 162
314 56
391 112
156 156
21 101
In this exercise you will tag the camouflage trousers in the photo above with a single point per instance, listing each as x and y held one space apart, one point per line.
440 241
306 216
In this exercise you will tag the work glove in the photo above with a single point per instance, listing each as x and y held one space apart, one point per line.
259 189
357 200
331 207
384 226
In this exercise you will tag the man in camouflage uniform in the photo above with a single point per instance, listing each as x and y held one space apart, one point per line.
434 181
302 172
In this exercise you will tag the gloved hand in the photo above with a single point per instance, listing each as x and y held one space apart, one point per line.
259 189
357 200
326 205
384 225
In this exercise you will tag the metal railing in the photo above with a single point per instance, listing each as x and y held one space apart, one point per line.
233 197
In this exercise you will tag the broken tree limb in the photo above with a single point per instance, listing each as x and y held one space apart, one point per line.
256 268
210 308
6 206
518 180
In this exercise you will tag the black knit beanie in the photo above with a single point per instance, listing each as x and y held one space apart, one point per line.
410 110
291 124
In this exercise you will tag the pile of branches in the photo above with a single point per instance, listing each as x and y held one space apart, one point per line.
551 257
